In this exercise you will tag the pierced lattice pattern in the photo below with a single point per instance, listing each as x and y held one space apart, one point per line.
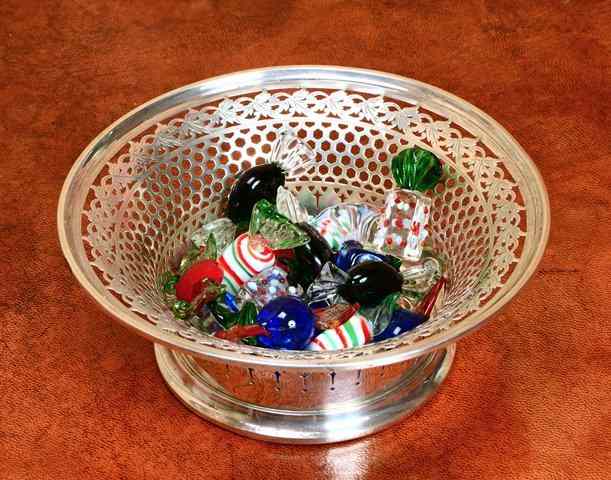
150 197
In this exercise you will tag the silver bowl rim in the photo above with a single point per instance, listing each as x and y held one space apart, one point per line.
341 74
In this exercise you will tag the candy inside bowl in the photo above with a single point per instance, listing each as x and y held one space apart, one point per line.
142 191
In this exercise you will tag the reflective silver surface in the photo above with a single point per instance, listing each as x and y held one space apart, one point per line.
301 406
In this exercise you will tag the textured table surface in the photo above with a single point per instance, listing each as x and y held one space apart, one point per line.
529 396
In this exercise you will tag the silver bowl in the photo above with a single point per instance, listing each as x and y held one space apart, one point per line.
144 185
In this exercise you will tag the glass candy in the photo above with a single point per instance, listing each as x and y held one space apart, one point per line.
370 282
182 309
240 261
275 231
334 316
403 227
416 169
402 230
352 253
241 332
419 277
288 205
222 230
379 315
289 323
267 285
347 221
293 155
206 322
323 292
225 310
355 332
402 320
290 158
206 251
199 277
308 259
167 284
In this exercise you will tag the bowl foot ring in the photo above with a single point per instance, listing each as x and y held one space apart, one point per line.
356 419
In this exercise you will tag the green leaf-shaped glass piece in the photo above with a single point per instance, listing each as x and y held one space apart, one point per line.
248 314
276 230
416 169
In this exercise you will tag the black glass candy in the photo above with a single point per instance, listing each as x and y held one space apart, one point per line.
257 183
309 258
370 282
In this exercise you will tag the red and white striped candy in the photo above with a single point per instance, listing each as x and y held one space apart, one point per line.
240 261
355 332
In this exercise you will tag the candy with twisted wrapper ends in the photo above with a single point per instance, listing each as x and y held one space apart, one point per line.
167 284
370 282
352 253
288 205
323 292
403 320
366 284
182 309
355 332
425 307
289 322
205 251
347 221
241 261
420 276
290 158
273 230
402 230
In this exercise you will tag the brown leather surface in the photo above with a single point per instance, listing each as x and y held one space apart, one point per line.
529 396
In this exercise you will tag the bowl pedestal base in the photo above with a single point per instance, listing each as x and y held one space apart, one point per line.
325 422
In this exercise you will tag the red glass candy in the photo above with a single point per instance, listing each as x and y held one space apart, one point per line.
334 316
196 278
238 332
425 307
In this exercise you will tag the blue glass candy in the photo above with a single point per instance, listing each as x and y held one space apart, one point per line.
401 321
290 324
352 253
231 302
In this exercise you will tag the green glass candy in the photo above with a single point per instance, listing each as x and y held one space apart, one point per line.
209 251
225 316
248 316
277 231
182 309
416 169
168 281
